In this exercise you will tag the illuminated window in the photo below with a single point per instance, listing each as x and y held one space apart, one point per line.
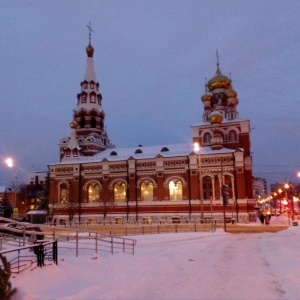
175 190
93 193
120 192
147 191
63 194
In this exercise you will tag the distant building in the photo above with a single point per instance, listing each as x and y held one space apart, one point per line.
183 181
260 188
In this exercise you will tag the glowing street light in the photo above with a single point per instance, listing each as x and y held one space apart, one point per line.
10 163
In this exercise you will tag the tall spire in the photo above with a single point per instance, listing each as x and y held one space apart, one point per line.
218 71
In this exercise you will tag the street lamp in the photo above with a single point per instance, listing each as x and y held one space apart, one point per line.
280 201
10 163
289 186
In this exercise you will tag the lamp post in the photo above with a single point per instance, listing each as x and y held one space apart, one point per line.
10 163
288 186
280 201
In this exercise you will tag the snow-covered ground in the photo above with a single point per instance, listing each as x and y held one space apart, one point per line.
201 265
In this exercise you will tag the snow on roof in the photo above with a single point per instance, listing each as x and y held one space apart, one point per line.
223 122
148 152
36 212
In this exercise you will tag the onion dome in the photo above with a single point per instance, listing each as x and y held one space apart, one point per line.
73 125
89 50
207 96
218 81
215 117
231 93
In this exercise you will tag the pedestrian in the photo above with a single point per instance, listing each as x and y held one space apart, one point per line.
261 217
268 217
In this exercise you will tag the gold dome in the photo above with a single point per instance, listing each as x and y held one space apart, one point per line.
73 125
206 97
231 93
89 50
215 117
219 81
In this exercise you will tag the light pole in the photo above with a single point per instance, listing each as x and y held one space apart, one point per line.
289 186
10 163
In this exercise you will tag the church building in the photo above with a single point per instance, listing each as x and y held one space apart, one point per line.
186 182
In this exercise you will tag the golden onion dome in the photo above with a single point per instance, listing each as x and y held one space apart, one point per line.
215 117
89 50
206 97
231 93
218 81
73 125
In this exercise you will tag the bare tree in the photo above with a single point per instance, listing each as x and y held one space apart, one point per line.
107 206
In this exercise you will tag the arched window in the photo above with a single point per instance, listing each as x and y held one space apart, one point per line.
138 151
207 188
120 192
147 191
93 122
93 193
232 136
63 196
206 138
82 122
164 149
175 190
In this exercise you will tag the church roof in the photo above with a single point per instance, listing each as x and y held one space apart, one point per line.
148 152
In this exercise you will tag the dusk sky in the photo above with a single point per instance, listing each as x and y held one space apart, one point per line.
151 59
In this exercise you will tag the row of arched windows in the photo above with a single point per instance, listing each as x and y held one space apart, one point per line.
232 137
120 192
92 122
210 190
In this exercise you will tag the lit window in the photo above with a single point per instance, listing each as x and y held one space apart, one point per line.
120 192
93 193
175 190
147 191
63 194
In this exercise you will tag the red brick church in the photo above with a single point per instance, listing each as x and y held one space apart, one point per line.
158 183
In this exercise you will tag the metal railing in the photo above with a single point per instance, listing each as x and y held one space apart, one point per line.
32 256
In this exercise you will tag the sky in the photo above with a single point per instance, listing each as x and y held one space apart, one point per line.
151 60
178 266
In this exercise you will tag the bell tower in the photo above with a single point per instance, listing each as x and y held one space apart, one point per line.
89 115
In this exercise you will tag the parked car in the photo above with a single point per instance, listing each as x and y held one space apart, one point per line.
18 229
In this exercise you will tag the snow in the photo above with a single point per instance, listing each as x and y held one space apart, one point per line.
194 265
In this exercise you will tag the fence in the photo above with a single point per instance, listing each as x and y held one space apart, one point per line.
90 240
21 258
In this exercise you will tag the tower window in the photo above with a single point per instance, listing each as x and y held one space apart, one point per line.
93 122
83 99
93 99
232 136
82 122
206 138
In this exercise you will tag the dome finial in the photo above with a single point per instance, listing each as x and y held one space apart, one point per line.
89 48
90 30
218 71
